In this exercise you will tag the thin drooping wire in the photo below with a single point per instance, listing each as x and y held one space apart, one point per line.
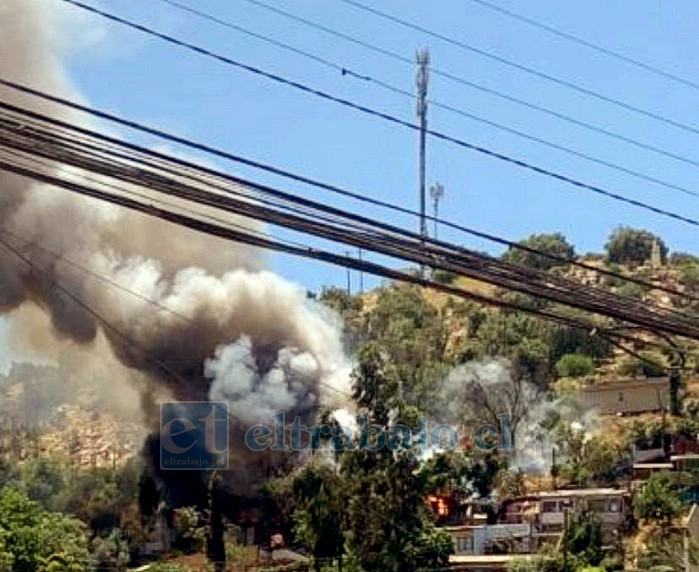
391 118
521 67
468 83
588 44
450 108
342 192
478 266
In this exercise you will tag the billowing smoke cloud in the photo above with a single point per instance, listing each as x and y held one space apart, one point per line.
267 346
484 390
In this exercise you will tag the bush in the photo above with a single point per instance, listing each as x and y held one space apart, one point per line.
689 275
444 276
631 290
657 501
653 365
575 365
632 246
683 258
554 244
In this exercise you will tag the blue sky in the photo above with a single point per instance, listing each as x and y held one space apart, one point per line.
156 83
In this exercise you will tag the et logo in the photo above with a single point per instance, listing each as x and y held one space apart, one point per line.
194 435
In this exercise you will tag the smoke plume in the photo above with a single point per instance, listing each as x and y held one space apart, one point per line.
220 325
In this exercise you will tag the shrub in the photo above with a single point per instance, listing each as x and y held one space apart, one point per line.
632 246
689 275
657 501
631 290
682 258
575 365
444 276
652 365
554 244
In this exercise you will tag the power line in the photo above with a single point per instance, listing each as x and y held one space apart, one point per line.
312 253
391 118
378 237
115 143
437 104
588 44
521 67
308 252
473 85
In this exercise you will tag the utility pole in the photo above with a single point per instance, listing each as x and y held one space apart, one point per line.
349 275
361 273
436 192
422 81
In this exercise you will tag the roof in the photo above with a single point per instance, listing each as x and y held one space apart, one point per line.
581 492
624 384
485 558
660 466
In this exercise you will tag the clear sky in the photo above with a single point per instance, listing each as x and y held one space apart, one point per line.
143 78
156 83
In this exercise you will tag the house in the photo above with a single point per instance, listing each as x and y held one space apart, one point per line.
548 511
626 397
491 538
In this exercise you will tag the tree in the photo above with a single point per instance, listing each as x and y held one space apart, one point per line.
657 501
683 258
664 551
387 525
39 541
489 390
632 246
575 365
319 498
649 364
554 244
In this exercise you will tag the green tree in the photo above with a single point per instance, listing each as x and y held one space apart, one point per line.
44 480
39 541
657 501
649 364
664 551
683 258
575 365
689 275
320 497
388 527
411 334
554 244
632 246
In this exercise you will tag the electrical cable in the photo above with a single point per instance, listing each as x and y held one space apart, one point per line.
298 178
563 291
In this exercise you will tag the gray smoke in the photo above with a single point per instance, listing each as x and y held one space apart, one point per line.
210 294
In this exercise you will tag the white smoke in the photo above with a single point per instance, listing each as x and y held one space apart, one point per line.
203 292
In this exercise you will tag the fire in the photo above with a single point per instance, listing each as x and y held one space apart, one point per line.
439 504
